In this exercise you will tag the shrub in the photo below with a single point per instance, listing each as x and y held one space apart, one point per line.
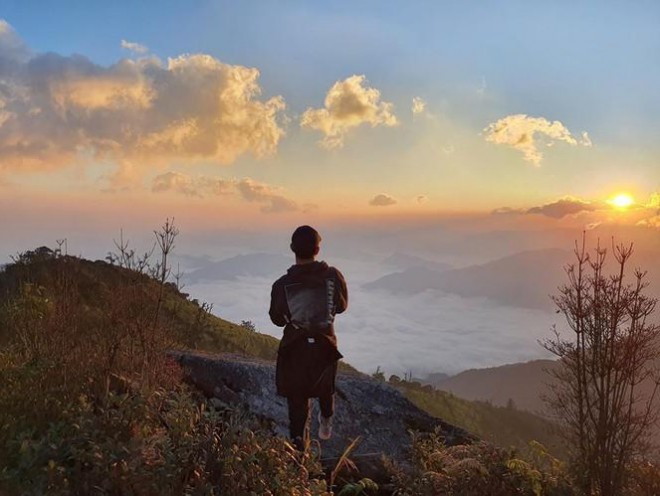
478 469
90 403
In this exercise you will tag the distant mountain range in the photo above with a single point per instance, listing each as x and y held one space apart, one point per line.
521 383
525 279
404 261
251 265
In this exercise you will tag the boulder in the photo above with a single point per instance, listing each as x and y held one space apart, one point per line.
365 407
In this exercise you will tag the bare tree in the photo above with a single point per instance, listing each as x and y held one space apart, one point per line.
126 256
604 391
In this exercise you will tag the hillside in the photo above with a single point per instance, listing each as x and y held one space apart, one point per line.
100 283
503 426
92 342
199 329
520 383
254 265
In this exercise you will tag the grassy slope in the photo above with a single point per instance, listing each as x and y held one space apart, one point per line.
506 427
100 281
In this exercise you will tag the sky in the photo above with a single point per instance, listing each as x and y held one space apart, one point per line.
457 131
287 109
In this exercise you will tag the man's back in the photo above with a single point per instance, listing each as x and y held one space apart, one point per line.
305 301
307 298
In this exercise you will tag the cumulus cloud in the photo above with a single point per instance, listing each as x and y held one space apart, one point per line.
563 207
652 209
348 104
55 109
651 222
192 186
12 48
522 132
418 105
382 200
134 47
273 201
175 181
270 197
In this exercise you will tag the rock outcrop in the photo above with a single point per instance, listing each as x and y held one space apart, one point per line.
365 407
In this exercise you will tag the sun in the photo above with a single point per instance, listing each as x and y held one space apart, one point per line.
621 201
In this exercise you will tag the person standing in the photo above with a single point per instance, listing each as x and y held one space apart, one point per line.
305 301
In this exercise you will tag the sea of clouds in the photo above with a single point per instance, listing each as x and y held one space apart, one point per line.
427 332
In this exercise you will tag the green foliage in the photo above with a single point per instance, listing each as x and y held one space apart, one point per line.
161 443
362 487
473 470
256 462
90 403
499 425
378 374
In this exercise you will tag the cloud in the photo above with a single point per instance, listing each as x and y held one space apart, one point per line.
418 105
652 208
56 110
270 197
12 48
382 200
190 186
654 201
134 47
348 104
563 207
651 222
556 210
429 331
421 199
521 132
507 211
253 191
481 90
175 181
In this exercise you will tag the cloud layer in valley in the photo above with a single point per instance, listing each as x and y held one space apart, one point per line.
525 134
55 109
429 331
348 104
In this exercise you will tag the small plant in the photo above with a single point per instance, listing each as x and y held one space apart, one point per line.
248 325
477 469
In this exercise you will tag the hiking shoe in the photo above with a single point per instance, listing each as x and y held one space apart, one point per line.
325 427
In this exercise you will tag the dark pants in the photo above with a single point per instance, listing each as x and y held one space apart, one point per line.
299 414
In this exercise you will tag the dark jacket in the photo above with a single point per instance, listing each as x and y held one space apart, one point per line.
305 301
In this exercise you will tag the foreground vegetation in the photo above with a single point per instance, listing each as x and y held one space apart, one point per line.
90 403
